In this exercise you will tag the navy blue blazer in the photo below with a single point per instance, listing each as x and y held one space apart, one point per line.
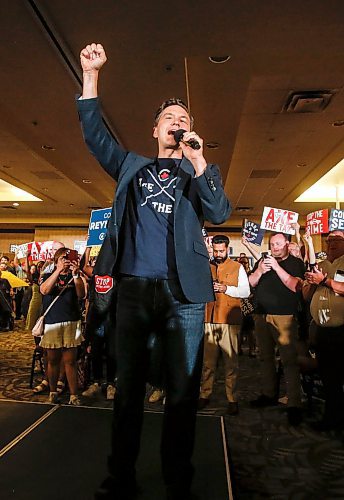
196 199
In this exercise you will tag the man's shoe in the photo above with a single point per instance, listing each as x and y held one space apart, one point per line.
294 415
232 408
179 493
110 489
262 401
202 403
93 391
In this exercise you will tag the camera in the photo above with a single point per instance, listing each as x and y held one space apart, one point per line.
265 254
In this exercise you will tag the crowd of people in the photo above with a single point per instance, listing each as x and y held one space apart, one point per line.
296 307
296 311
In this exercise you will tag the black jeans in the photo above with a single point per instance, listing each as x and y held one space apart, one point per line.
144 306
329 348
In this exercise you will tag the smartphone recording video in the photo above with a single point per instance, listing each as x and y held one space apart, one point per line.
72 255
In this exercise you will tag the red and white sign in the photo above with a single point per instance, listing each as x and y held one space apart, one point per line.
278 220
36 250
40 250
317 222
103 284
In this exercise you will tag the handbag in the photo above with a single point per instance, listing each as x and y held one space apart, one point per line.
38 329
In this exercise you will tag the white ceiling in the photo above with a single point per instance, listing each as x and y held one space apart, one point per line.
276 48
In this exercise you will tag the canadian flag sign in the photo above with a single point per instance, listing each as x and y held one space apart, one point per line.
278 220
317 222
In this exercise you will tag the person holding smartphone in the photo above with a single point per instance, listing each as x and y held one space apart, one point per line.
277 280
325 288
62 328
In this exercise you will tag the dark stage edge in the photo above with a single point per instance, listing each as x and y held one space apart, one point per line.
64 456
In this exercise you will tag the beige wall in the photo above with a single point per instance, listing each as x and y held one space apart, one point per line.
66 236
7 239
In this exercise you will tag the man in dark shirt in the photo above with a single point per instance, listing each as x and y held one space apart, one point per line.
276 279
154 246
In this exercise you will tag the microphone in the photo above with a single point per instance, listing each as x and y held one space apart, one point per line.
178 137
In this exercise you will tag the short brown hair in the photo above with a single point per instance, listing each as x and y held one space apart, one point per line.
59 252
173 101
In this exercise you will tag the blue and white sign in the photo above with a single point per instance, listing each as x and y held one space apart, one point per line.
252 232
336 220
97 227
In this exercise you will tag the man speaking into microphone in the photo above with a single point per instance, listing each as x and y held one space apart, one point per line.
155 248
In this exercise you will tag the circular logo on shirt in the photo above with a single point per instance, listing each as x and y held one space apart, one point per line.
164 175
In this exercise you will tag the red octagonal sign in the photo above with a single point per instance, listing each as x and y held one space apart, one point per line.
103 284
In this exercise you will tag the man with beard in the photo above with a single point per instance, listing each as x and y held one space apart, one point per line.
222 323
277 278
327 309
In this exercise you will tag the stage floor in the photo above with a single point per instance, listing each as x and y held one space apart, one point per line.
59 452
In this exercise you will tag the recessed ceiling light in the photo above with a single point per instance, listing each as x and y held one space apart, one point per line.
243 209
71 204
300 165
337 123
280 189
15 204
219 59
47 147
86 181
212 145
45 189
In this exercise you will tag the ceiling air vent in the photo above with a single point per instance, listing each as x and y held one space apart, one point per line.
308 101
45 174
264 174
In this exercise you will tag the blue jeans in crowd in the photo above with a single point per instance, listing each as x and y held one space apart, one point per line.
146 305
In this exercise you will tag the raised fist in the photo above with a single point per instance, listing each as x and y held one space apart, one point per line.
92 57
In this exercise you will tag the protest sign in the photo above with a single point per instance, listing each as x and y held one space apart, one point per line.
252 232
317 222
279 220
97 227
36 250
22 250
40 250
336 219
80 246
95 251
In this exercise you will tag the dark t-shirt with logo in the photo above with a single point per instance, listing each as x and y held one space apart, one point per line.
66 308
147 248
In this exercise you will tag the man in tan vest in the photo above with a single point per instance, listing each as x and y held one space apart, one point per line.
222 323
